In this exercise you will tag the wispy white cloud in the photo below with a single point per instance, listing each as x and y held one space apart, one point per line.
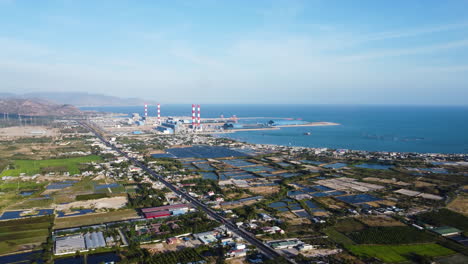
407 51
267 62
413 32
443 69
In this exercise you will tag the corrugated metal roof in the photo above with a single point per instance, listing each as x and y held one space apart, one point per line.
94 240
165 207
157 214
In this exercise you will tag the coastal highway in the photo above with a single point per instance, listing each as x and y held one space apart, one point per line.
265 249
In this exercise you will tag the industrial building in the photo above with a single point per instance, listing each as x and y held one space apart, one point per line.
206 237
158 214
165 211
69 244
284 244
94 240
73 243
165 130
446 231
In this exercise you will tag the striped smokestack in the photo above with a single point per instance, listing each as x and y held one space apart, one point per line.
193 115
199 121
159 114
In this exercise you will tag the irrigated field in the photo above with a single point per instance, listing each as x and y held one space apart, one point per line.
349 225
10 191
93 219
338 237
399 253
445 217
390 235
380 220
31 167
23 234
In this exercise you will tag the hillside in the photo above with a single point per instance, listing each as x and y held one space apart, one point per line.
85 99
36 107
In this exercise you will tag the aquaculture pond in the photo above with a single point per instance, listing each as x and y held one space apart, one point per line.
26 193
312 162
209 175
238 163
60 185
75 212
28 257
374 166
7 215
358 198
205 152
337 165
109 257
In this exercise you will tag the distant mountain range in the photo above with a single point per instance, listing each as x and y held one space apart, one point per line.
36 107
78 99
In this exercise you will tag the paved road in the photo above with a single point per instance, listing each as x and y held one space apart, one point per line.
265 249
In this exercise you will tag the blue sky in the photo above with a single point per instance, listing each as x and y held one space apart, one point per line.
207 51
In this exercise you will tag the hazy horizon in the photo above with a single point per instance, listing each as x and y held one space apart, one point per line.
249 52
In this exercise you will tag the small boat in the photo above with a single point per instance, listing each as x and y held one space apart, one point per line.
307 133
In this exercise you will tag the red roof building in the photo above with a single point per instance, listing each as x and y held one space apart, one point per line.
164 208
157 214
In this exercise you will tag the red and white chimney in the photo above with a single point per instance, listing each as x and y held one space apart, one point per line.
199 120
193 115
159 114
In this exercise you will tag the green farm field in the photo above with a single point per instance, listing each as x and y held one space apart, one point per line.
10 192
399 253
338 237
31 167
444 217
390 235
30 232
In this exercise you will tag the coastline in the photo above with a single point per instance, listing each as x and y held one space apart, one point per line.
369 128
312 124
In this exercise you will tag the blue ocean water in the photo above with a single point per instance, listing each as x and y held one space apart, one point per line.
424 129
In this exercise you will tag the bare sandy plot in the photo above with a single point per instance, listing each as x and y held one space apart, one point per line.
236 261
28 131
460 204
380 220
332 203
294 219
321 252
344 184
419 184
114 202
264 189
387 181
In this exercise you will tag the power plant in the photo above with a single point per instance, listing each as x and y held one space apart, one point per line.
169 125
183 124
